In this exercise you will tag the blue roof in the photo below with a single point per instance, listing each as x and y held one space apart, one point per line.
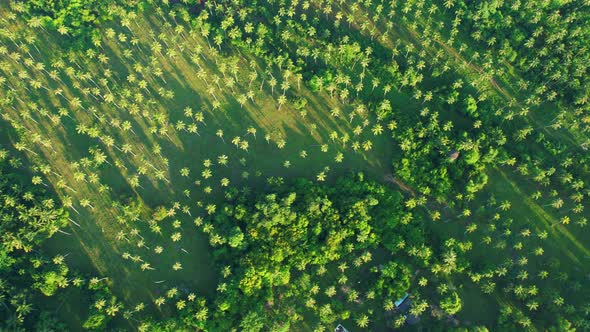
340 328
400 301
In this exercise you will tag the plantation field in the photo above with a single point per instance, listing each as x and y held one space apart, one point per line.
563 246
169 121
157 144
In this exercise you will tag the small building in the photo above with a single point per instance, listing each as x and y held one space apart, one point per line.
453 155
401 300
340 328
403 306
411 319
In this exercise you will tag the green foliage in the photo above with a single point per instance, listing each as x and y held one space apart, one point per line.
451 303
51 281
477 183
160 213
6 260
252 322
28 217
471 106
236 238
394 279
562 325
318 83
504 83
95 322
538 56
294 231
300 103
75 18
471 157
47 322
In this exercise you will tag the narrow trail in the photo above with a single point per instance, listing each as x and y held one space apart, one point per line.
460 58
391 179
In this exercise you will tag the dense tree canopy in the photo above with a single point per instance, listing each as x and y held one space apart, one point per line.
73 18
303 250
28 216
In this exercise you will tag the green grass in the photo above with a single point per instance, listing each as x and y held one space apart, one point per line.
567 241
565 244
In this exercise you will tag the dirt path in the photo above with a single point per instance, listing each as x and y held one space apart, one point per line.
391 179
460 58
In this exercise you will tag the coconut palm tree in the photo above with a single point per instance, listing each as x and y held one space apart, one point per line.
219 134
281 101
362 321
252 131
222 160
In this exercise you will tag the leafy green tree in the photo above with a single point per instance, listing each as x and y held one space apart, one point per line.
471 156
28 216
51 281
451 304
96 321
252 322
471 106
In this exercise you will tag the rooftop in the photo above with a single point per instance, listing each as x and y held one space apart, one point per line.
340 328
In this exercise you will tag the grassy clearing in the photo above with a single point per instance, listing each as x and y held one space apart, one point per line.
567 241
564 247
